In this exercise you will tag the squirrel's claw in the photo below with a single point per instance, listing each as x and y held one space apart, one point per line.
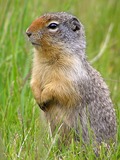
45 105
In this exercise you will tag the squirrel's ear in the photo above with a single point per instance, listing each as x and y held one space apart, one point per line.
75 25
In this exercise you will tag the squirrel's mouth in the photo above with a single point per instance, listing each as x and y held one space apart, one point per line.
33 41
35 44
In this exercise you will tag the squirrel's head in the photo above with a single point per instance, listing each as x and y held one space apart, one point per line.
57 31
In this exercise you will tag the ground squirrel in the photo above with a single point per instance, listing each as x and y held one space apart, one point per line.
65 86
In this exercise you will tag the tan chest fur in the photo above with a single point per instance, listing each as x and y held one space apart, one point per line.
54 81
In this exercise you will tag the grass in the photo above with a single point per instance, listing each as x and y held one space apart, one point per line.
23 131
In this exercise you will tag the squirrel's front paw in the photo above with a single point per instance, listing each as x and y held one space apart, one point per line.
46 96
46 99
44 106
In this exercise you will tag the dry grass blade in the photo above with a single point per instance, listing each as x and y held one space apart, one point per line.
104 46
53 141
20 150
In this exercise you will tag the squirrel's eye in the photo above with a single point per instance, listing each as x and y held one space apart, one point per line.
53 26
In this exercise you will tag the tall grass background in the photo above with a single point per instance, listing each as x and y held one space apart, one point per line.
23 130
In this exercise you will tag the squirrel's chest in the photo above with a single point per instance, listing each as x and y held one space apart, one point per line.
48 74
66 72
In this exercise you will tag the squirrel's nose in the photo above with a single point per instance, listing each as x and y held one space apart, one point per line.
28 33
